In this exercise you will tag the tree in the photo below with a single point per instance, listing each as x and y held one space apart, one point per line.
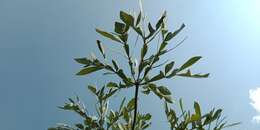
139 76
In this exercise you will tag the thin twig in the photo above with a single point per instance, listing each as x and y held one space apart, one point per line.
178 44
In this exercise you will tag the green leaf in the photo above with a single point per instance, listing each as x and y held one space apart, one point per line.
92 89
115 65
171 35
101 48
121 105
147 116
160 21
111 93
163 45
84 61
119 27
157 77
89 70
168 67
181 105
197 109
112 85
107 35
127 18
131 104
138 18
190 62
126 47
151 30
144 50
168 98
188 74
164 90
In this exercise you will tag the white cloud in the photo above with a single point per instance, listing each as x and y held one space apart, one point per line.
254 95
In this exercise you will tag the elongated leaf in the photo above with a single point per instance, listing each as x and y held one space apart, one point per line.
197 109
84 61
164 90
168 98
115 65
138 18
190 62
151 30
127 18
119 27
131 104
160 21
144 50
157 77
171 35
108 35
101 48
188 74
93 89
168 67
112 85
89 70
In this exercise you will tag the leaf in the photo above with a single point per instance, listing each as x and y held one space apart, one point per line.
92 89
160 21
119 27
197 109
151 30
157 77
168 98
126 47
110 94
115 65
121 105
108 35
112 85
144 50
164 90
188 74
168 67
89 70
190 62
181 105
163 45
84 61
147 116
101 48
138 18
131 104
127 18
171 35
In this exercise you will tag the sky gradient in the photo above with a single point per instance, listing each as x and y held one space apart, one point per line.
40 38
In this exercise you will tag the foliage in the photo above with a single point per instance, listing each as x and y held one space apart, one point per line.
139 76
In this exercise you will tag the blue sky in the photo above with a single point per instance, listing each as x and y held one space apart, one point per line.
40 38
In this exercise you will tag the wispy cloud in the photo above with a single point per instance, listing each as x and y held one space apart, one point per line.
254 95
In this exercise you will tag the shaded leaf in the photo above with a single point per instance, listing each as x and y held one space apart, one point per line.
190 62
89 70
168 67
164 90
101 48
119 27
127 18
107 35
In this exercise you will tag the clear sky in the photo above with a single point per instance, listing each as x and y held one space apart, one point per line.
40 38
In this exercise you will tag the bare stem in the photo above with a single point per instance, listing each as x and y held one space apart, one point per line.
136 107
